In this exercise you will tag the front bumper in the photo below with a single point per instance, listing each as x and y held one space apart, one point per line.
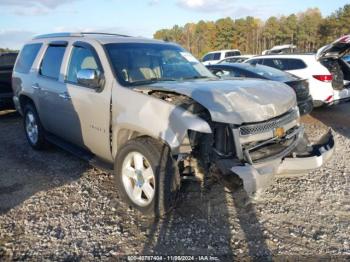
256 177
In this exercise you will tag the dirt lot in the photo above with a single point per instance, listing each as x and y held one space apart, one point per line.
54 206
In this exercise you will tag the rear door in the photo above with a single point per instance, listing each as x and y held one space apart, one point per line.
49 85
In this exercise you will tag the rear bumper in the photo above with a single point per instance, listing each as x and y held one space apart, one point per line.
339 96
257 177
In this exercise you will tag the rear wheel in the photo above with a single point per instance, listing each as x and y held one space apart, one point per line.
33 128
146 176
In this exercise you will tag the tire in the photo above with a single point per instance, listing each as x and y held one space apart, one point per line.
33 129
165 182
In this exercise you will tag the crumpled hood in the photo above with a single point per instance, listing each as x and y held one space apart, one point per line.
235 101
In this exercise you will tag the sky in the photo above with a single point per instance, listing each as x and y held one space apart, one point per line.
20 20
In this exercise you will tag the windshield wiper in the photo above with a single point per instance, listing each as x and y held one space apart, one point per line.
152 80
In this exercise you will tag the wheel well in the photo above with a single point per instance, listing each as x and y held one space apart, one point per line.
124 135
23 100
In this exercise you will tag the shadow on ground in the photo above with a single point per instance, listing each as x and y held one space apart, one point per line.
337 117
206 220
23 171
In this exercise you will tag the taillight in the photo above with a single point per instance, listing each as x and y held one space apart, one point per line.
323 78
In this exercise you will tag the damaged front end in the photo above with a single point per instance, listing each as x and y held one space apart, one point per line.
276 147
301 158
255 151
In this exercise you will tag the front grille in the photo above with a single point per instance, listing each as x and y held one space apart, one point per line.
253 129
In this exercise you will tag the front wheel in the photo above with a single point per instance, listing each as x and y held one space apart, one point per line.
146 176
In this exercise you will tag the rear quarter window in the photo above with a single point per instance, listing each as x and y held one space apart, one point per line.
27 57
51 63
294 64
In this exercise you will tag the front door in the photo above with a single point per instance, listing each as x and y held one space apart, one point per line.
90 108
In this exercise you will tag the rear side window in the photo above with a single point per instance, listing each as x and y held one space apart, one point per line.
81 58
27 57
51 63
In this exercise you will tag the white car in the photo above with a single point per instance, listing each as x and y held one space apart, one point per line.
214 57
327 73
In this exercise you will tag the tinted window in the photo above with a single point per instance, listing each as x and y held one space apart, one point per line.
285 64
294 64
232 53
81 58
51 64
216 56
276 63
27 57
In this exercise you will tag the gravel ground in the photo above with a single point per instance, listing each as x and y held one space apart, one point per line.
54 206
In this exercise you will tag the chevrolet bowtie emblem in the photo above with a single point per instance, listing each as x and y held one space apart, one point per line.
279 132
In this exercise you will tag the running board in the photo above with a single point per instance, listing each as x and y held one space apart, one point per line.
80 153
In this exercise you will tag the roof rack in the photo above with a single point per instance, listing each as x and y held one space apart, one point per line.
80 34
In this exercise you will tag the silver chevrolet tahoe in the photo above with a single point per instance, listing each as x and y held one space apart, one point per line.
151 112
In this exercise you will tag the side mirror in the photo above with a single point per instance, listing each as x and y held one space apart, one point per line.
90 78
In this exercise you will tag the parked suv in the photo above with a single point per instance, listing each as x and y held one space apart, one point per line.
7 60
327 73
215 57
150 111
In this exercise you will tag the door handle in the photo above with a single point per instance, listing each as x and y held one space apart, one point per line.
36 86
65 96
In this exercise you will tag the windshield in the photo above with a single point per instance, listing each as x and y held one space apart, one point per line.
142 63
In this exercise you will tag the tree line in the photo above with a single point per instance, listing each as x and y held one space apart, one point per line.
307 30
5 50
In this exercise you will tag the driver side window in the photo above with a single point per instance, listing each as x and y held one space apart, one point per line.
81 58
